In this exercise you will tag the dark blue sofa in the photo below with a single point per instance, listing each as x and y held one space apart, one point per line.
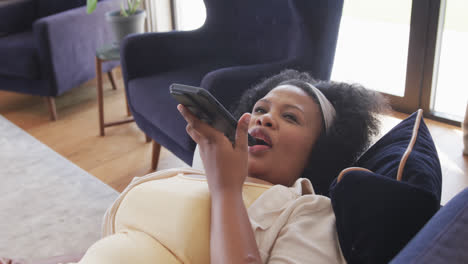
47 47
444 239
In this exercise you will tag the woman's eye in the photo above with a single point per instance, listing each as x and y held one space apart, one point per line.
260 110
290 117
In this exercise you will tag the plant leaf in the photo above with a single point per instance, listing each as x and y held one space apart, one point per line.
137 4
90 6
123 12
133 8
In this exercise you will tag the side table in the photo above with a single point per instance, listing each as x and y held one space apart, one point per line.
110 53
107 53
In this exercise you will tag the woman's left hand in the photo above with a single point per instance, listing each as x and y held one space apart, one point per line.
225 163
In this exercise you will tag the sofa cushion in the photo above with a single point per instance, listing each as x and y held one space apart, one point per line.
376 215
49 7
17 16
19 56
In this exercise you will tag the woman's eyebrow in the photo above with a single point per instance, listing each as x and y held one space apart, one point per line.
294 106
263 100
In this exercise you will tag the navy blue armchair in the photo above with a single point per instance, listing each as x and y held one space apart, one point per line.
240 43
47 47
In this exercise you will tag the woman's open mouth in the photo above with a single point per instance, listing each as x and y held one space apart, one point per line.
263 141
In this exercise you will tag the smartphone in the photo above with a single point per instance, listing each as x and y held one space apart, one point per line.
205 106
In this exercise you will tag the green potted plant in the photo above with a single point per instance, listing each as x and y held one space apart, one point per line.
125 21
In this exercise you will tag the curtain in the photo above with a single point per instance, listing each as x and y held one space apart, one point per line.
158 15
150 8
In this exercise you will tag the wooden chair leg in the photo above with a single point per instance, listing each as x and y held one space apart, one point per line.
148 139
52 108
111 79
155 155
128 106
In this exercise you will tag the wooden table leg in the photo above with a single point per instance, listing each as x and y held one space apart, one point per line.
100 95
111 79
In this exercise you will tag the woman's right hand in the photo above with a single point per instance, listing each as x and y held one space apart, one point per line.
231 238
225 164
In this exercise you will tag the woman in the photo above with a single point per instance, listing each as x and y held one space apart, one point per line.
304 136
257 203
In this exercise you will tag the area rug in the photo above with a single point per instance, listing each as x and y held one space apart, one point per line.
48 205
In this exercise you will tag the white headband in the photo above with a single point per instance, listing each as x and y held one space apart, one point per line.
328 111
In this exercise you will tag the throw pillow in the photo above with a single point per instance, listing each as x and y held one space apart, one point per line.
376 214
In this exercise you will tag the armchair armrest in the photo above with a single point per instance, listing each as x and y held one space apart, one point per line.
443 238
16 16
150 53
67 44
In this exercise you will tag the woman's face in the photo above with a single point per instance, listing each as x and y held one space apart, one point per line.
289 122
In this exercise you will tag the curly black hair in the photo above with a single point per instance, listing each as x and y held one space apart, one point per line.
348 137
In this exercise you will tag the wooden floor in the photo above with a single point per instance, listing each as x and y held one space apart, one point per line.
123 153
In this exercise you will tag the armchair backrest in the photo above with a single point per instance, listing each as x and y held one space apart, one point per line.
248 28
19 15
16 16
270 30
315 45
49 7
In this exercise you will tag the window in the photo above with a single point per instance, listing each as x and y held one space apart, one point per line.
189 14
372 46
449 89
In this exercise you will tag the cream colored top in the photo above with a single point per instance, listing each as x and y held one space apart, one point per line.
294 225
164 218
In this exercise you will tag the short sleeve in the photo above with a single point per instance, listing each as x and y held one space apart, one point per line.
309 236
